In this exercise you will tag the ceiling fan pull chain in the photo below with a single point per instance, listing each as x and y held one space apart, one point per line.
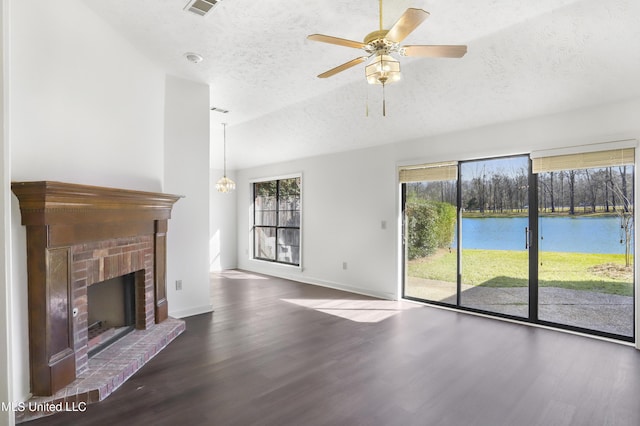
384 102
366 102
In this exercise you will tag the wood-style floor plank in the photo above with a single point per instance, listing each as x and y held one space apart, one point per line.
265 358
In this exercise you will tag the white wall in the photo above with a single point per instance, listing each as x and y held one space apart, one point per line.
6 394
222 226
80 91
87 107
346 196
186 172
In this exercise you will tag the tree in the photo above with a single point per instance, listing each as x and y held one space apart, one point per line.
623 177
626 225
430 226
609 185
572 192
591 191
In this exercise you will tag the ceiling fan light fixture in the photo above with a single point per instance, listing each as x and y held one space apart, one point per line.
383 69
380 44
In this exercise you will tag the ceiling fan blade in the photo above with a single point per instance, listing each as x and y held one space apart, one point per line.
439 51
343 67
408 22
336 40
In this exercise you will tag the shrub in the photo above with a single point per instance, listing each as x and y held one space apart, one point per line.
430 226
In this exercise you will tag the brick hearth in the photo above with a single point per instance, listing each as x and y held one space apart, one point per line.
105 371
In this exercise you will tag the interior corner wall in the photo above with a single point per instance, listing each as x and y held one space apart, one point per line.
6 395
86 107
347 196
186 172
223 226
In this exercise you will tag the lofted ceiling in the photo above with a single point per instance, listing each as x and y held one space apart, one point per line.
525 58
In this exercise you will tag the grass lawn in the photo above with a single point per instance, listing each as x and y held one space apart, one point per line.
504 268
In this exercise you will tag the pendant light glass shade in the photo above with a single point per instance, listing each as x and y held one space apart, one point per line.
225 184
383 69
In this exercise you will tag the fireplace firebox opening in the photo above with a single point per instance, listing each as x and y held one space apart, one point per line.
111 308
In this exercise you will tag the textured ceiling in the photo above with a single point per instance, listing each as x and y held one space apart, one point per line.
525 58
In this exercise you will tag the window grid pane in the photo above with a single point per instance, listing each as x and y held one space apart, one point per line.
277 221
265 243
289 245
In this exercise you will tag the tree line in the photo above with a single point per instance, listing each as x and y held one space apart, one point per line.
606 190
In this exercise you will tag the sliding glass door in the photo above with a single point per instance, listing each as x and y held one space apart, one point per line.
430 213
471 240
586 247
494 236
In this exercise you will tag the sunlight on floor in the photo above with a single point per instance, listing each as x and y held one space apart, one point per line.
366 310
236 275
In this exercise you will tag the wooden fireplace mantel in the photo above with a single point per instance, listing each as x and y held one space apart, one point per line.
57 203
60 217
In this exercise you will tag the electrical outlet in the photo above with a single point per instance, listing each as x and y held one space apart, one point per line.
344 265
178 284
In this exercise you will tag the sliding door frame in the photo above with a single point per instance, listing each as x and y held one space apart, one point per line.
533 257
532 244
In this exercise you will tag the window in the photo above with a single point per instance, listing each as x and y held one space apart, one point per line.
276 220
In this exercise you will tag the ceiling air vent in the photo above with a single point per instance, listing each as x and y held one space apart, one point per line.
200 7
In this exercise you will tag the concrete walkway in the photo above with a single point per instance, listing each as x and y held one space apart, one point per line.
598 311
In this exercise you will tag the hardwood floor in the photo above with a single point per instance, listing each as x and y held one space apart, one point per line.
276 352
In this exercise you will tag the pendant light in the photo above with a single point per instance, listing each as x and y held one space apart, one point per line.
225 184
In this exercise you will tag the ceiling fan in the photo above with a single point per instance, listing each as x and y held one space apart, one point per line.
381 45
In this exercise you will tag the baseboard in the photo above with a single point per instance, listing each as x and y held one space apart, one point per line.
191 311
348 288
325 283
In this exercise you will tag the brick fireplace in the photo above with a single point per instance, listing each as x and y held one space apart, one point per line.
77 236
96 262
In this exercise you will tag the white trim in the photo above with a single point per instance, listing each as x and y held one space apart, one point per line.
329 284
7 331
429 165
423 160
191 311
279 177
400 254
251 218
277 264
579 149
636 245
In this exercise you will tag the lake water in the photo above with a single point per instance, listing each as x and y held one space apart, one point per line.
563 234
